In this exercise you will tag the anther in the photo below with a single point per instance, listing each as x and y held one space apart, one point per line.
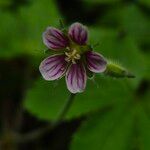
72 56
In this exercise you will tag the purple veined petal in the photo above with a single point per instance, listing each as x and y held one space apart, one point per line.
55 39
78 33
53 67
95 62
76 78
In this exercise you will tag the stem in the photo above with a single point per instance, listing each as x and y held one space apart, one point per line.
40 132
66 107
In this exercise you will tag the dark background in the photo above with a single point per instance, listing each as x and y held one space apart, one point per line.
112 114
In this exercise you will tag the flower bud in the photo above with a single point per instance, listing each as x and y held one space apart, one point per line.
116 70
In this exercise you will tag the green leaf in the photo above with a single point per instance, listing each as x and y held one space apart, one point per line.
102 1
130 20
36 18
147 69
144 129
105 131
45 99
21 33
9 34
135 23
145 2
125 127
5 3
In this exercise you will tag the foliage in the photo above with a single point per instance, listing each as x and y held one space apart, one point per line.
116 109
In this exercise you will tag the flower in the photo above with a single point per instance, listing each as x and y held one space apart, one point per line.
75 58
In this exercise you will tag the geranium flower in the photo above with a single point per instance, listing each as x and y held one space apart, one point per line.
75 58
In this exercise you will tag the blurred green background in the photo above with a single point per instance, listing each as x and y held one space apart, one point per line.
112 114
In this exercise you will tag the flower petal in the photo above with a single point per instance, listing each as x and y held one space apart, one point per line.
76 78
78 33
55 39
53 67
95 62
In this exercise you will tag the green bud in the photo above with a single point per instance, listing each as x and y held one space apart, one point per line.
116 70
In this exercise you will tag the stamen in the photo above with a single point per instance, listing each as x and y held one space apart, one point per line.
77 56
72 56
74 52
73 61
67 54
68 48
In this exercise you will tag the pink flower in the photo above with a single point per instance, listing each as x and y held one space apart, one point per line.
75 59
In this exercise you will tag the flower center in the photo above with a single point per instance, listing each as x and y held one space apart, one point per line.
72 56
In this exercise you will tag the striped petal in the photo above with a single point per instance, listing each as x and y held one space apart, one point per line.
95 62
53 67
78 33
55 39
76 78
